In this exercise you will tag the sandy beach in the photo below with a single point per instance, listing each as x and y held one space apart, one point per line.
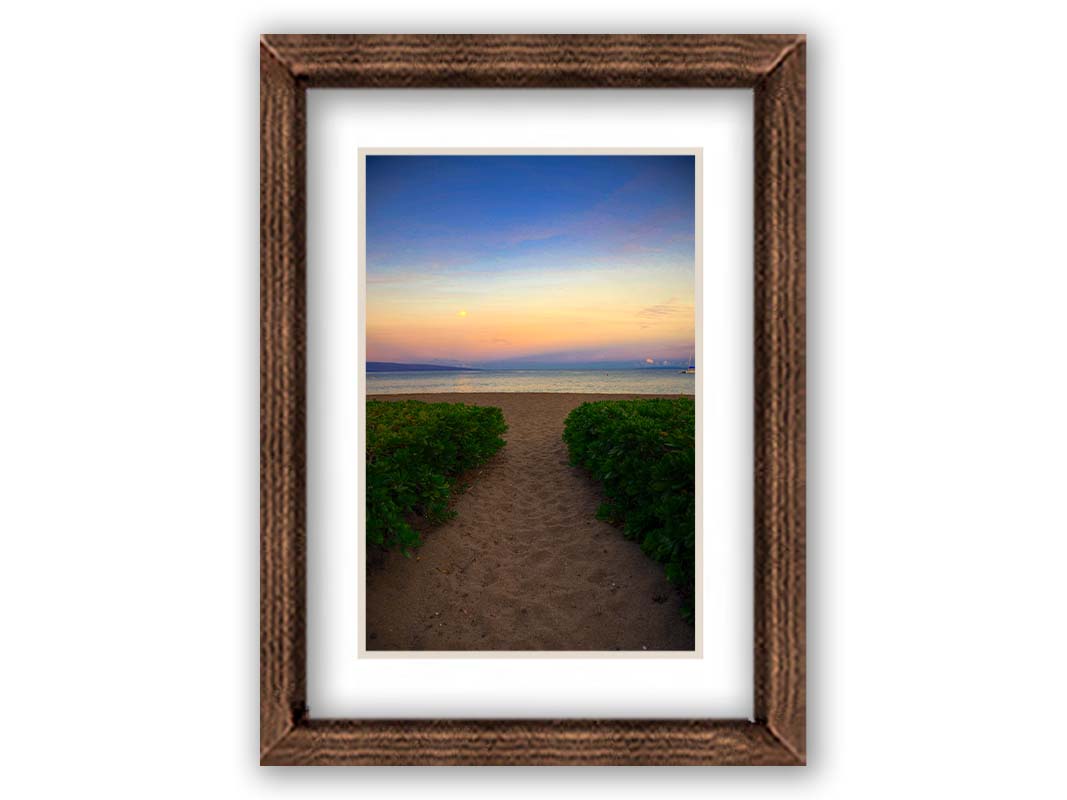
525 564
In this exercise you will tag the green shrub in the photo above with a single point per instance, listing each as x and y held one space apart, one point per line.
644 453
415 451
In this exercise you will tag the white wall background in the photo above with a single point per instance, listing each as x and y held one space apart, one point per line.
128 431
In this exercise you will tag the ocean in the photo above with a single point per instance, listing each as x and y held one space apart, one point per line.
619 381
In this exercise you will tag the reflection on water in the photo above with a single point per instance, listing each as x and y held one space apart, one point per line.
623 381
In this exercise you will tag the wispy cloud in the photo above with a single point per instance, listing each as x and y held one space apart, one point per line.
669 313
661 310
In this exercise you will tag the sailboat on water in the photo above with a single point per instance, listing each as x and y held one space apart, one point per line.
691 369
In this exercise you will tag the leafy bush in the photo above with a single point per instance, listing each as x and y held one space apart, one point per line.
415 451
644 453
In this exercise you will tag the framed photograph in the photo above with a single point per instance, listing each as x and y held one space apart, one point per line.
532 400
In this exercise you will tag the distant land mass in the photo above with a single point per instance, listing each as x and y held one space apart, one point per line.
389 366
525 365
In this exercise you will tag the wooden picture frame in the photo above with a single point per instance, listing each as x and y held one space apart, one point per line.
774 67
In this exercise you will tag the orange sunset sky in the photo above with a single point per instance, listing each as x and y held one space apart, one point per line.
530 261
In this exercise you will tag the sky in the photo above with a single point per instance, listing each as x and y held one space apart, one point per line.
530 261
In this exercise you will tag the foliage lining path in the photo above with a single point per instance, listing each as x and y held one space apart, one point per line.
525 564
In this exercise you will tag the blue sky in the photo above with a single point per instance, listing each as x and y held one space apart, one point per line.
566 260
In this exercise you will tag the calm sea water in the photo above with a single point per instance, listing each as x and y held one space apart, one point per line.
624 381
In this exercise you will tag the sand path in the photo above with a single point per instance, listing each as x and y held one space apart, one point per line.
525 564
